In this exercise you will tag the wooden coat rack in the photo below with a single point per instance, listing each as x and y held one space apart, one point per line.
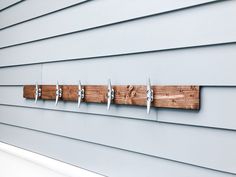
179 97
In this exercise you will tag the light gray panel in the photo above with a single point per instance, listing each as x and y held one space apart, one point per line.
210 148
32 9
174 30
189 66
7 3
105 160
196 66
186 66
20 75
213 113
82 17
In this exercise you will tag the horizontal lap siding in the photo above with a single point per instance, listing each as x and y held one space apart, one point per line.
31 9
101 159
189 66
25 74
4 4
186 27
186 66
81 17
175 142
181 42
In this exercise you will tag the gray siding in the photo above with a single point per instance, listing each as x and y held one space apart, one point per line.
4 4
180 42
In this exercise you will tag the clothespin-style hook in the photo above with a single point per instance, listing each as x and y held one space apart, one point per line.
149 93
110 94
58 93
80 93
37 92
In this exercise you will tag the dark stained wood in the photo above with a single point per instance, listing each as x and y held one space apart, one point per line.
184 97
181 97
49 92
29 91
69 92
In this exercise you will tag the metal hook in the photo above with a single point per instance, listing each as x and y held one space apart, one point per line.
58 93
110 94
149 93
80 93
37 92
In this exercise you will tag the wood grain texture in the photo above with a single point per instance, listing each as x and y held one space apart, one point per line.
181 97
29 91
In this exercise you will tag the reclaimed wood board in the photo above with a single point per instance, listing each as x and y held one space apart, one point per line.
180 97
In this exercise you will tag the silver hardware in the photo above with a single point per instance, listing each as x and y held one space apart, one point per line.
58 93
149 93
80 93
37 92
110 94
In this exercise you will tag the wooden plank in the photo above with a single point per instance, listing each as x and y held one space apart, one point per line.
182 97
28 91
49 92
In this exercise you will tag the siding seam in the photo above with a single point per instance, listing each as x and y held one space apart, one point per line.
124 117
122 54
11 5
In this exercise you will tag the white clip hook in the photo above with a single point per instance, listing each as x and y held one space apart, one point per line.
80 93
37 92
149 93
110 94
58 93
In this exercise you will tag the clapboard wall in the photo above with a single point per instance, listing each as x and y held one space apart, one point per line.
172 42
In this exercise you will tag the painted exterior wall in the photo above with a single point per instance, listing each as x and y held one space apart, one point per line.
172 42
